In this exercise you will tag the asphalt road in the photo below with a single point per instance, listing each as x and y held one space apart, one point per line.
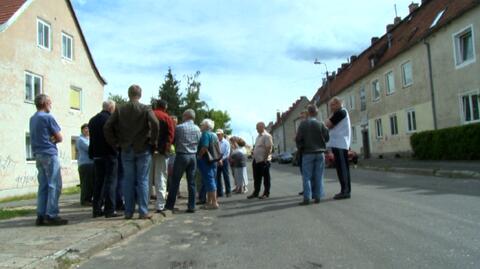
392 221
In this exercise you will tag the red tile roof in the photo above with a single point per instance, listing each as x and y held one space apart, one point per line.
8 8
284 115
409 32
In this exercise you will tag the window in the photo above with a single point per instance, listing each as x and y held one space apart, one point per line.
75 98
411 121
375 90
363 99
351 102
28 148
378 128
464 47
43 34
33 86
470 104
73 145
390 82
407 75
354 135
437 18
393 125
67 46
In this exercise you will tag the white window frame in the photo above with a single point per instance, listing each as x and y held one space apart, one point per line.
389 91
460 100
69 37
81 98
28 150
33 76
414 123
378 128
394 126
376 81
44 24
362 90
354 134
404 83
459 63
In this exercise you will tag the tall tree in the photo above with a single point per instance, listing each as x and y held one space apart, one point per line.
192 98
117 98
170 92
221 119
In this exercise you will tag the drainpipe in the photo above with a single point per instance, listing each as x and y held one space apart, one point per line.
432 88
284 138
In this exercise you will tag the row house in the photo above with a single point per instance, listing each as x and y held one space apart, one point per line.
422 74
42 50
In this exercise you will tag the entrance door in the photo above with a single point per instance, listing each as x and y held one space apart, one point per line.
366 144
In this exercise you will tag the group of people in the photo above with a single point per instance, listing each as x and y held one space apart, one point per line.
124 152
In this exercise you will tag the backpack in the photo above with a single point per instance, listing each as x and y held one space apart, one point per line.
214 154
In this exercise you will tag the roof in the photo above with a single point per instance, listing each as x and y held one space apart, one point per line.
287 113
407 33
8 8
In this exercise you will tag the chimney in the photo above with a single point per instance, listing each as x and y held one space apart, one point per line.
339 70
345 65
424 2
374 40
333 74
412 7
353 58
278 116
397 20
390 27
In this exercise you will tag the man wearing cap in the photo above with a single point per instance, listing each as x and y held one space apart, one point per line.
222 167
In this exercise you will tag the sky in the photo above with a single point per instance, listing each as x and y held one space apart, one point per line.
255 57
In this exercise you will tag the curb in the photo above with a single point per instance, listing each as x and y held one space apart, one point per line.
86 248
465 174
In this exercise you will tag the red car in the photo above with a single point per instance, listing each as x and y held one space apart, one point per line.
330 158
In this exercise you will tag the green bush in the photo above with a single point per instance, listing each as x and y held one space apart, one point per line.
456 143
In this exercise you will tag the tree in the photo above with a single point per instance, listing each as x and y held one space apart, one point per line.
169 91
192 98
117 98
221 119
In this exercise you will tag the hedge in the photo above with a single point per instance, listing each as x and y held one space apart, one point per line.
455 143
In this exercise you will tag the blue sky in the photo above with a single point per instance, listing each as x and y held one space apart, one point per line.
255 57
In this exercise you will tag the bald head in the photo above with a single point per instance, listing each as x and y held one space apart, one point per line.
260 127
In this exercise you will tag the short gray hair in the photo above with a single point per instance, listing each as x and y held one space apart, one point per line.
41 100
337 99
108 104
209 123
190 113
134 91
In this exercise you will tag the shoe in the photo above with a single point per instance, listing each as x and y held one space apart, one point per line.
153 197
340 196
300 193
128 216
40 221
229 195
113 215
190 210
265 196
57 221
120 208
201 202
146 216
97 214
304 202
252 196
86 204
316 201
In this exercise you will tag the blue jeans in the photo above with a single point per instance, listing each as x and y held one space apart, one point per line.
226 178
208 172
313 165
183 163
49 185
136 167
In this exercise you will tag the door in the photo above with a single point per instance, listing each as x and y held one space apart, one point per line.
366 144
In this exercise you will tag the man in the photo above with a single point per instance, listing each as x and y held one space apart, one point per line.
85 167
158 173
222 166
340 133
262 154
311 140
134 128
44 136
187 136
106 165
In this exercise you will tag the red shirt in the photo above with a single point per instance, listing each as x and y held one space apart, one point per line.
166 132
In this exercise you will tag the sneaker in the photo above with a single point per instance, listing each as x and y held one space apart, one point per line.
56 221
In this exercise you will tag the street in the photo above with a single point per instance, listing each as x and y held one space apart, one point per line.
392 221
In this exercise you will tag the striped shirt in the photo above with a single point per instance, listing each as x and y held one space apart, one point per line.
187 136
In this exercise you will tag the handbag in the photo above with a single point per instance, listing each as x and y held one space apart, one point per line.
214 154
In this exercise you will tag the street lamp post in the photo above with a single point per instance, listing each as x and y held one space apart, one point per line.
326 80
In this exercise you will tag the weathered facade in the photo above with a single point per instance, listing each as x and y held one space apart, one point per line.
42 50
423 74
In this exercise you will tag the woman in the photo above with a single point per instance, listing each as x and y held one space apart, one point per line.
85 167
208 169
239 164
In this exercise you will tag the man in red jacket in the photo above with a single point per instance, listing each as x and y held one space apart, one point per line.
158 172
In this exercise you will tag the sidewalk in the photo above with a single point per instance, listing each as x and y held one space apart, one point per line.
452 169
25 245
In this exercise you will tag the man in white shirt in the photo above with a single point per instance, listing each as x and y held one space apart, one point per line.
262 155
222 166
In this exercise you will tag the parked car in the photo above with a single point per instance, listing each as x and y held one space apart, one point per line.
285 157
330 158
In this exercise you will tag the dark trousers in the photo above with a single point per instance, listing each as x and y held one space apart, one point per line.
87 177
223 170
183 163
261 170
105 185
119 189
343 169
